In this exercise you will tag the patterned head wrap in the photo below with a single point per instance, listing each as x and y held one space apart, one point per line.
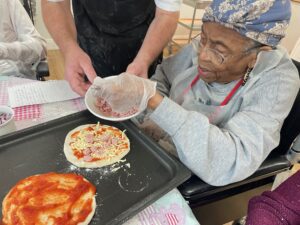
264 21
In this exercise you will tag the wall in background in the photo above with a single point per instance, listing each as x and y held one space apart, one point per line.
293 32
289 41
186 12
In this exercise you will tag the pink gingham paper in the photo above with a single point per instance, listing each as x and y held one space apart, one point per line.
33 112
171 209
21 113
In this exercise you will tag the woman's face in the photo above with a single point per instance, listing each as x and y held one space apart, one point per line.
224 54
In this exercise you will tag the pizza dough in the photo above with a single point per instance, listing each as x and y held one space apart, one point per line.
50 199
95 145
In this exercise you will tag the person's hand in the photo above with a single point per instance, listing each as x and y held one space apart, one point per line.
125 92
138 68
78 65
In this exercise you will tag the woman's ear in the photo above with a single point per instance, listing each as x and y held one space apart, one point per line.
265 48
252 61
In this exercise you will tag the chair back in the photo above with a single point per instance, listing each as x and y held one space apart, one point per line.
291 126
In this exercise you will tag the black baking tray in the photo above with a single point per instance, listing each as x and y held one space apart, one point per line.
123 189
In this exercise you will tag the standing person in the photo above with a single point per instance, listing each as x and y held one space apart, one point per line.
105 37
21 46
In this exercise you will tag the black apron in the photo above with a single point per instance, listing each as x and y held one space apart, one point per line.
111 32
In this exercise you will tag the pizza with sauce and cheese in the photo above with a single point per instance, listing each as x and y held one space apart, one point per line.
95 145
50 199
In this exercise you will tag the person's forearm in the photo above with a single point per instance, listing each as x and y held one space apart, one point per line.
60 23
159 34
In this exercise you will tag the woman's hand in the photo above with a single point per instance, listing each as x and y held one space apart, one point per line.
125 92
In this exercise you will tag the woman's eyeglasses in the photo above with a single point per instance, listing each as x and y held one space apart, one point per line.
215 56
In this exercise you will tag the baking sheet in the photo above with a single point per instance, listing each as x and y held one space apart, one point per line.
123 189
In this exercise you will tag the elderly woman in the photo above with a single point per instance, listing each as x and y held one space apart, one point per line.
223 104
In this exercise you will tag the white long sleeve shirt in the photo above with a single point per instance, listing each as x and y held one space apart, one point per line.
168 5
21 46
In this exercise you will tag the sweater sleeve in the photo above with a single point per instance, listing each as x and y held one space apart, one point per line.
281 206
30 47
220 156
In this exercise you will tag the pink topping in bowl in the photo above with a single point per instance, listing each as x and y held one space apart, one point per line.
106 109
4 117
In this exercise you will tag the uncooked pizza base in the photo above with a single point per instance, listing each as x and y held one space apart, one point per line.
90 216
79 162
9 204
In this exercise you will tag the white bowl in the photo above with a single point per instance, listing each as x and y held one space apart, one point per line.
90 104
9 125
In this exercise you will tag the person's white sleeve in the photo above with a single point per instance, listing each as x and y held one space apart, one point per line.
168 5
30 47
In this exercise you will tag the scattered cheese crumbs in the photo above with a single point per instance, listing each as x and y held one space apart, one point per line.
123 133
97 126
115 169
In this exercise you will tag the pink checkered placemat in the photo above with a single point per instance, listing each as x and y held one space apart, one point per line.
27 112
79 104
24 112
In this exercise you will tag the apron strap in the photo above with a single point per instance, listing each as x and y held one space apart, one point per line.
226 99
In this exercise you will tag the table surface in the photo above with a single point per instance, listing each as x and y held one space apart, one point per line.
26 116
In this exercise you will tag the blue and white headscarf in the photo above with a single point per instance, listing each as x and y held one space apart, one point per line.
264 21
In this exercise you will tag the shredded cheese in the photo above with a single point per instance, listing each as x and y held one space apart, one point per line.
108 143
